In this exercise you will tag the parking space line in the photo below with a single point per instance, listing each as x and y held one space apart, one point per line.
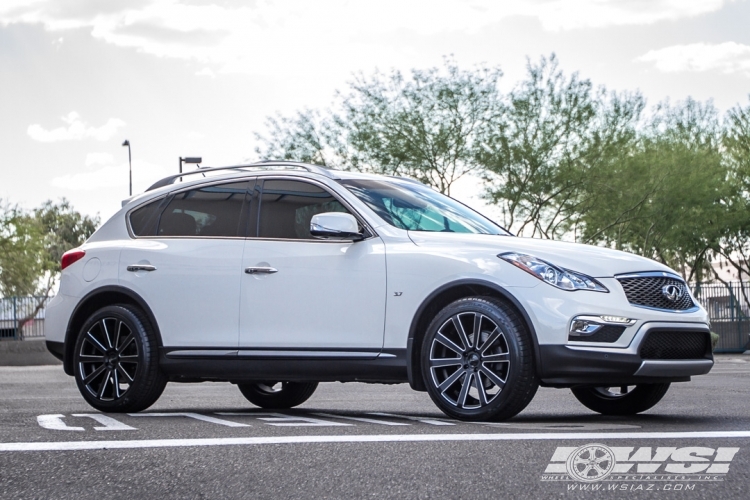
376 438
430 421
109 423
360 419
55 423
281 420
196 416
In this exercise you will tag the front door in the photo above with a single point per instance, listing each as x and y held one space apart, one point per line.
305 295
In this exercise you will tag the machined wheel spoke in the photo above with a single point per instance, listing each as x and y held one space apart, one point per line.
461 332
439 363
117 335
496 358
449 343
125 343
116 383
491 338
480 389
106 333
477 330
492 376
90 358
90 337
104 384
91 376
125 373
451 380
465 387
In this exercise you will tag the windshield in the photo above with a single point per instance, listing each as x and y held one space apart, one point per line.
416 207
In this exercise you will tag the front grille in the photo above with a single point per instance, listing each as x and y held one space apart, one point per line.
675 345
648 292
607 333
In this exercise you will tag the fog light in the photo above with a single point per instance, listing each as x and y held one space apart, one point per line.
583 327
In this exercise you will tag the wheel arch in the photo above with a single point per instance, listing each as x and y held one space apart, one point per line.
95 300
440 298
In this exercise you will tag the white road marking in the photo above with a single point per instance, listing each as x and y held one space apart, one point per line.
555 427
360 419
376 438
55 423
196 416
281 420
430 421
109 423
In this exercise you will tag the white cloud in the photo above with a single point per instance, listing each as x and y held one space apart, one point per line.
93 159
728 57
112 176
264 36
76 130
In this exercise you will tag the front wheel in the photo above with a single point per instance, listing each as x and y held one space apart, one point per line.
622 400
477 360
279 395
116 362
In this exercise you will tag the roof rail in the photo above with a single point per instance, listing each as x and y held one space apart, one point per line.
261 165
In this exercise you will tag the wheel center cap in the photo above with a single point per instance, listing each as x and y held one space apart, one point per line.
473 360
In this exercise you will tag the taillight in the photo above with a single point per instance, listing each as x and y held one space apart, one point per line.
71 256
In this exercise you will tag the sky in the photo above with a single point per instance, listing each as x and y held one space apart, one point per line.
200 77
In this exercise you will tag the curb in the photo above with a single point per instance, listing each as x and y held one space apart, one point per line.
26 353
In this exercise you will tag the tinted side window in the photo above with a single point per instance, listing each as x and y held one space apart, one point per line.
143 220
207 211
286 208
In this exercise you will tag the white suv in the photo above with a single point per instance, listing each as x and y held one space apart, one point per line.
276 276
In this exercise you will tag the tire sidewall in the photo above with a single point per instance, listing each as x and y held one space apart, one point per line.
504 322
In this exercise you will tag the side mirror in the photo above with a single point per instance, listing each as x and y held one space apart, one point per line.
335 225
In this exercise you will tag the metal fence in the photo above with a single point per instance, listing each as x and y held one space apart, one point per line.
729 312
22 317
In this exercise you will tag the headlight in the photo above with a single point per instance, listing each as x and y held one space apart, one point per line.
553 275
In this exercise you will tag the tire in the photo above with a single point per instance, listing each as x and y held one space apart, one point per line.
278 395
478 361
616 401
116 361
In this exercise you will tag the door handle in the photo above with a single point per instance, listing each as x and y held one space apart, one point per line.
260 270
141 267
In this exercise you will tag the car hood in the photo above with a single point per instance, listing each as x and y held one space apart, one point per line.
597 262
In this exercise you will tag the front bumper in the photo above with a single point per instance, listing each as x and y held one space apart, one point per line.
575 365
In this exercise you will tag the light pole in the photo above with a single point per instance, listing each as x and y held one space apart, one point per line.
190 159
130 165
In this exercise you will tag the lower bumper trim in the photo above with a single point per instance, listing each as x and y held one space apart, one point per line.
674 368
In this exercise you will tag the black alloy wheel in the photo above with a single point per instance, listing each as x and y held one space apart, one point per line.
620 400
116 361
477 360
280 395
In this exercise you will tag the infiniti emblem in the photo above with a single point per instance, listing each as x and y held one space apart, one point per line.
672 292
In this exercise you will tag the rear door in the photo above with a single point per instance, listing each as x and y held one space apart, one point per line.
186 263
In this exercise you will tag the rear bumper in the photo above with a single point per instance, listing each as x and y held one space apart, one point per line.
573 365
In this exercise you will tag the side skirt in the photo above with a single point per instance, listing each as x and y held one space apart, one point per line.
293 365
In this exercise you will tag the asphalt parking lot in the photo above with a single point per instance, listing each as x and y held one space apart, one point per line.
366 441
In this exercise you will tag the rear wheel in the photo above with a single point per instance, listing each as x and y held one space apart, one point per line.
116 361
621 400
280 395
477 360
